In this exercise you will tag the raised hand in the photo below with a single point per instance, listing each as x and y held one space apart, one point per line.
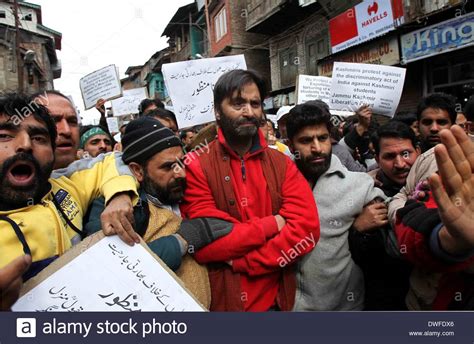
453 190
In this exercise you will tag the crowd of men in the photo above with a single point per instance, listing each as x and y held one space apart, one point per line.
323 214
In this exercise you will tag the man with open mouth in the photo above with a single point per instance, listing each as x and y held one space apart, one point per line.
41 212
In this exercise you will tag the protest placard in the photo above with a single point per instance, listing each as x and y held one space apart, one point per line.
191 84
105 274
356 84
310 87
128 103
113 124
103 83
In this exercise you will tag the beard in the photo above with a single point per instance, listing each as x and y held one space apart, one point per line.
310 170
172 193
232 128
14 196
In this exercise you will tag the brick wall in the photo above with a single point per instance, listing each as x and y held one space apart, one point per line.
236 12
238 23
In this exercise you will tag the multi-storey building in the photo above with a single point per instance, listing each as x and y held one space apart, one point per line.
38 65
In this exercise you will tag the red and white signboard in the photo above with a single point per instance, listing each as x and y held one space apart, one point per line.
367 20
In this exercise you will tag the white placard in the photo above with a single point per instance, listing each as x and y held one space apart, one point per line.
312 87
113 124
103 83
191 84
128 103
109 276
356 84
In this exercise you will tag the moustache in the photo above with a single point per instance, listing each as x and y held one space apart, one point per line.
402 171
433 137
243 121
316 156
180 182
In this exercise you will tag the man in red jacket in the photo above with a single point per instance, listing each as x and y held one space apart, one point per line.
240 179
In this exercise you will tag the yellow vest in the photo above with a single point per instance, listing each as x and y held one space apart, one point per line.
45 230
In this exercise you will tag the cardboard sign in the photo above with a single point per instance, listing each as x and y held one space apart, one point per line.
191 85
356 84
103 83
105 274
128 103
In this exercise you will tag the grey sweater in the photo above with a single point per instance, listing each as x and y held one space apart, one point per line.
327 277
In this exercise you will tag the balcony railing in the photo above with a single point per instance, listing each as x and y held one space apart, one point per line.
259 10
183 54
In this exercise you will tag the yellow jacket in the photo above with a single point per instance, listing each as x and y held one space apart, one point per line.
43 227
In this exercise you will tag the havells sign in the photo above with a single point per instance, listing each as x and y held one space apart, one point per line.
364 22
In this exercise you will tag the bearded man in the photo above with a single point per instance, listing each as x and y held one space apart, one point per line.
241 180
328 278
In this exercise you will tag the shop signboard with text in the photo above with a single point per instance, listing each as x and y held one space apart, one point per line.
383 51
447 36
367 20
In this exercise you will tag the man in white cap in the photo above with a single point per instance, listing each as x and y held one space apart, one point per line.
281 118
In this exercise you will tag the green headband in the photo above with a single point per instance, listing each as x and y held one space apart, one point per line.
89 133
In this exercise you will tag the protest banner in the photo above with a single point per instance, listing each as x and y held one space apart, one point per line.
191 84
128 103
105 274
103 83
356 84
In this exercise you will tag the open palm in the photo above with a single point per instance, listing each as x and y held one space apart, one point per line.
453 187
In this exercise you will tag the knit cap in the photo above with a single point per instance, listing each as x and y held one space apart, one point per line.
144 137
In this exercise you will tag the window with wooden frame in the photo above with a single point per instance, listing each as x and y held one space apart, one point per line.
316 49
288 66
220 24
